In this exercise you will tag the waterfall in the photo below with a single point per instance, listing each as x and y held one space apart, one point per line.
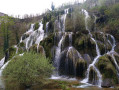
1 70
112 52
2 61
47 28
58 49
96 58
70 39
35 36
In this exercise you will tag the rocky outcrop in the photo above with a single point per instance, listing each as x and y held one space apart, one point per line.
37 49
93 79
48 44
72 63
84 44
108 71
10 53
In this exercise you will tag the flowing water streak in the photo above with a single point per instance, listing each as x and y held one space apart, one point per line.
30 31
47 29
96 58
113 44
2 62
1 70
58 49
70 39
41 35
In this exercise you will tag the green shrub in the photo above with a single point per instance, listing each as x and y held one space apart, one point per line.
36 26
29 69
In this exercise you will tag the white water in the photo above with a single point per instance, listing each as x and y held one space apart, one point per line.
70 39
35 36
2 61
112 52
47 29
86 80
63 19
1 70
58 49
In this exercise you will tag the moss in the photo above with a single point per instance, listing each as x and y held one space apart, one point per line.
36 26
84 44
47 44
107 68
68 24
22 44
37 49
81 68
12 52
93 76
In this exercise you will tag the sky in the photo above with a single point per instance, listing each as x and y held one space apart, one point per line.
22 7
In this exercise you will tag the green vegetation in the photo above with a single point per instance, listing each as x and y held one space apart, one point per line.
107 68
29 69
6 23
36 26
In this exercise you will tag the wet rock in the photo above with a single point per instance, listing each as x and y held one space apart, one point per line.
107 68
24 36
93 79
48 44
87 59
117 47
37 49
10 53
72 63
36 26
84 44
107 83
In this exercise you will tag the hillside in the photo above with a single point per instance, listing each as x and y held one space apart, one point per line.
80 40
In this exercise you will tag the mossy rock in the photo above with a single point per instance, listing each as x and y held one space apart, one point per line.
99 36
81 68
24 36
10 53
107 69
37 49
93 79
72 64
117 48
66 41
48 44
84 44
68 24
21 44
21 47
104 47
36 26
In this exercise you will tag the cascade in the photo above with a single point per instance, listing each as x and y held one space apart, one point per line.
1 70
58 49
96 58
35 36
47 29
2 62
112 52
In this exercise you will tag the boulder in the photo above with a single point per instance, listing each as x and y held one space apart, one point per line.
37 49
84 44
87 58
108 71
10 53
72 63
48 44
93 79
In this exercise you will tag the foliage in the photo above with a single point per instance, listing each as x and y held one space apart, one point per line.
29 69
36 26
6 23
